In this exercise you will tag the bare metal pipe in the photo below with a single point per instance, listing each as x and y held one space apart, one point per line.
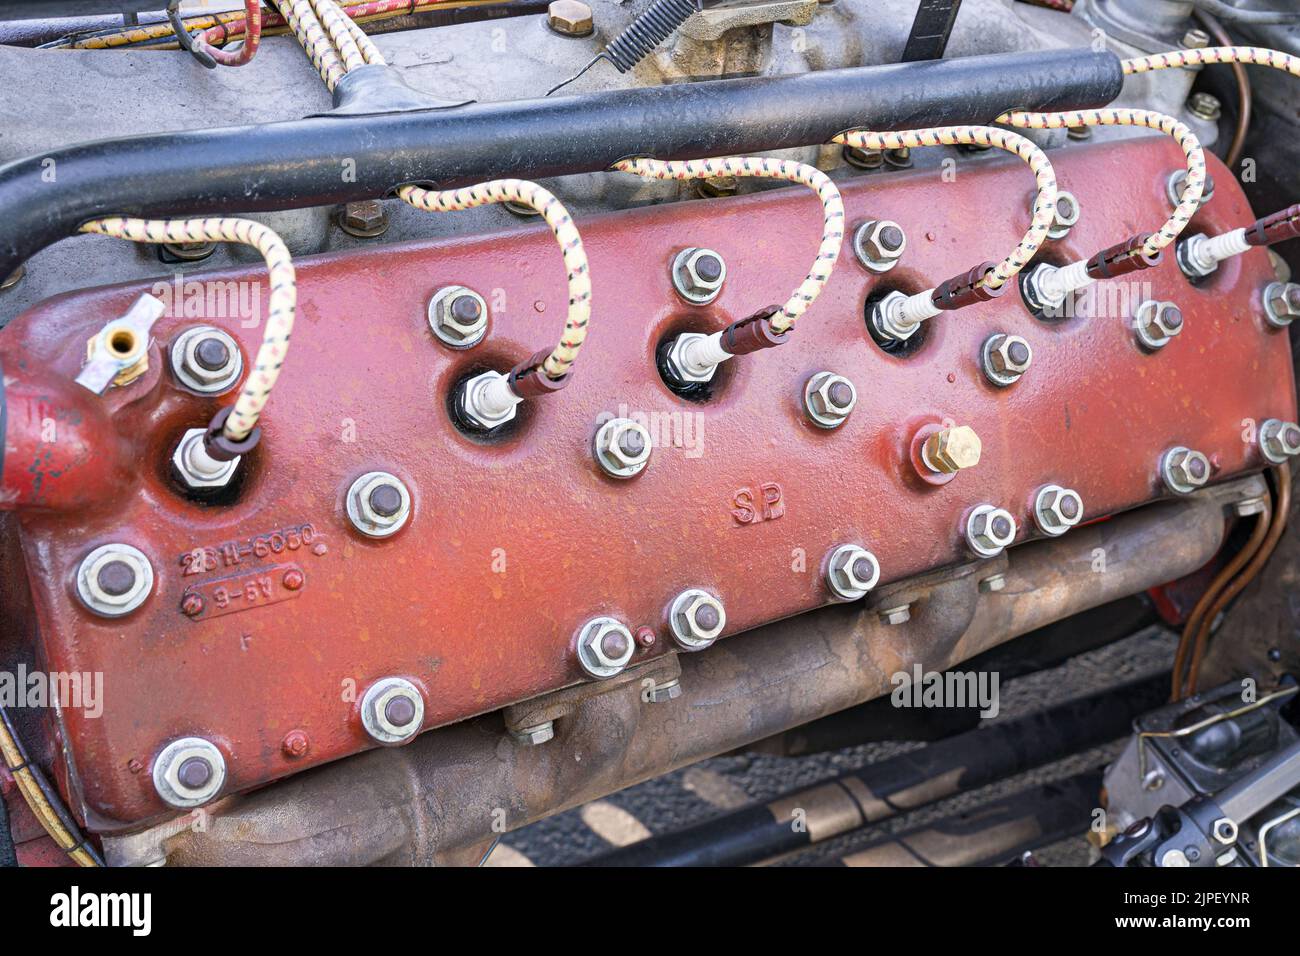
455 787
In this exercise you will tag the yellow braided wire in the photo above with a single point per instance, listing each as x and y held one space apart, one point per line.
530 194
36 800
280 312
768 168
369 52
1044 211
150 31
336 23
1256 55
302 20
1169 125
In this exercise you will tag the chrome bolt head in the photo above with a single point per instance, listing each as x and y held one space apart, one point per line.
1225 831
698 275
1184 470
535 735
696 618
1279 441
378 504
604 647
879 244
1281 303
989 530
1057 509
622 447
1156 323
206 359
662 693
1004 358
1064 215
189 772
458 316
894 616
829 399
114 579
392 710
851 571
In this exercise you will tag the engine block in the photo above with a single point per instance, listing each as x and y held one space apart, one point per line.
269 615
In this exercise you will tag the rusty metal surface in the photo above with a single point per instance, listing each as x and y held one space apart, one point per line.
457 786
515 543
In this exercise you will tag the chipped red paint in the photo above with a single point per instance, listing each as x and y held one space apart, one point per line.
514 544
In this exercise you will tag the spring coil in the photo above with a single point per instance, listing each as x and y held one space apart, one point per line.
647 31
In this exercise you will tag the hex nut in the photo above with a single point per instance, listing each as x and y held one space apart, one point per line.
1064 214
1281 303
993 583
365 219
1184 470
458 316
604 647
189 772
114 579
535 735
569 18
206 359
682 370
196 469
662 693
698 275
883 321
472 411
1057 509
1004 358
392 710
989 530
950 450
1225 831
696 618
622 447
1279 441
378 504
1156 323
851 571
879 244
829 399
894 616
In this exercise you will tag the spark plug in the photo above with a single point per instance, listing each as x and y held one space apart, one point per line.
897 317
1046 287
488 400
693 358
1199 255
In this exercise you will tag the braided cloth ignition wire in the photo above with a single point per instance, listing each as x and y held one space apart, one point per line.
901 315
252 39
311 35
1051 286
335 22
283 299
1259 56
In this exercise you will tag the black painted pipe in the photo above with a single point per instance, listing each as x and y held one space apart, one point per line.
342 158
898 785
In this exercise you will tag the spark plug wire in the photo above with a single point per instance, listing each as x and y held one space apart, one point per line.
239 424
301 18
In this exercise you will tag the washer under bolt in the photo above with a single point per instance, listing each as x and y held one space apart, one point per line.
1156 323
378 504
1004 358
1279 441
989 530
829 399
392 710
458 316
851 571
879 244
189 772
1057 509
206 359
114 580
696 618
1184 470
622 447
698 275
605 646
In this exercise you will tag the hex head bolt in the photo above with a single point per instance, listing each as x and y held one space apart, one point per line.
879 244
696 618
378 504
829 399
1057 509
1064 215
622 448
1279 441
698 275
189 772
114 579
604 647
458 316
1183 470
1155 323
947 451
851 571
392 710
1004 358
206 359
989 530
1281 303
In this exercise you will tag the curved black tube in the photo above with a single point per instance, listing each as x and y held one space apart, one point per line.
334 158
